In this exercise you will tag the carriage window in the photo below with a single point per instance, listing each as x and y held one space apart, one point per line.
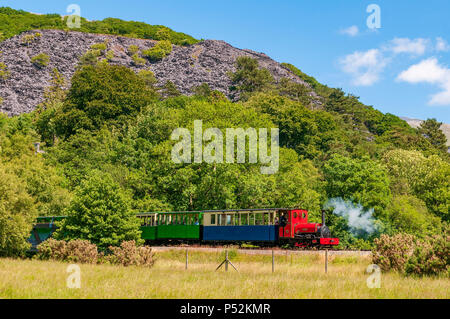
244 219
213 219
229 220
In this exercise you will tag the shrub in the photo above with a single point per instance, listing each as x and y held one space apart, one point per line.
41 60
110 55
430 257
27 39
4 73
76 251
99 46
137 60
82 251
133 49
128 254
159 51
393 252
90 57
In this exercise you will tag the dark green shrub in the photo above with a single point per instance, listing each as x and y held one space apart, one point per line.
41 60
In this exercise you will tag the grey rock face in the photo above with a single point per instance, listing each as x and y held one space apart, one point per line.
187 67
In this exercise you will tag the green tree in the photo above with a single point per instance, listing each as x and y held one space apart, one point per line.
102 95
17 214
100 212
360 180
249 77
431 129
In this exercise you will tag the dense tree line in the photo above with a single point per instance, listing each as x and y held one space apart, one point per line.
107 155
13 22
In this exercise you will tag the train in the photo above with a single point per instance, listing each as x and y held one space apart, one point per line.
262 227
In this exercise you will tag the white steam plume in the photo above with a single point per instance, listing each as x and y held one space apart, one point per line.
359 220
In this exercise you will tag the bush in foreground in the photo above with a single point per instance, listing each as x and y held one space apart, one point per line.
82 251
412 256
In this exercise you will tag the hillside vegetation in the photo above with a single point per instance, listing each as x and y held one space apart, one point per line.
13 22
112 126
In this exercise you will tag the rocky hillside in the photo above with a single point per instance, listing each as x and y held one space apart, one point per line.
187 66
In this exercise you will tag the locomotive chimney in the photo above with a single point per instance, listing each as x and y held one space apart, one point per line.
323 217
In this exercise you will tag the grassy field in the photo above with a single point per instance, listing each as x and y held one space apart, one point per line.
294 277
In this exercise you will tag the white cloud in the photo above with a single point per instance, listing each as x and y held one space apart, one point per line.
351 31
405 45
430 71
442 45
365 67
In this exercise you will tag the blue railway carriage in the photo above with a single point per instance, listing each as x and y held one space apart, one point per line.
253 225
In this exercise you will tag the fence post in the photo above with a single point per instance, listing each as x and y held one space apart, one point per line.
226 258
326 261
273 262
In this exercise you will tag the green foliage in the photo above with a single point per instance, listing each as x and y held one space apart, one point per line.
133 49
41 60
4 73
90 57
431 129
360 180
102 95
249 77
426 178
13 22
100 46
170 89
137 60
159 51
100 212
17 213
110 55
408 214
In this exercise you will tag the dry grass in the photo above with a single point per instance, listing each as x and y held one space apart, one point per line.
295 277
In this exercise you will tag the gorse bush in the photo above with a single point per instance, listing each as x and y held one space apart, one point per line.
393 252
412 256
82 251
76 251
128 254
431 256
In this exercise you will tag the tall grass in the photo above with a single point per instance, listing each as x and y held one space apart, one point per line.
296 276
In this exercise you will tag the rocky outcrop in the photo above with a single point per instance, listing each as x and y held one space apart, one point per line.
187 66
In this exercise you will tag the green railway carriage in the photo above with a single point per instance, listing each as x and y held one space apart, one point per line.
154 226
173 225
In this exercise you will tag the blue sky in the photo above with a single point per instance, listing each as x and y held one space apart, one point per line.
401 68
